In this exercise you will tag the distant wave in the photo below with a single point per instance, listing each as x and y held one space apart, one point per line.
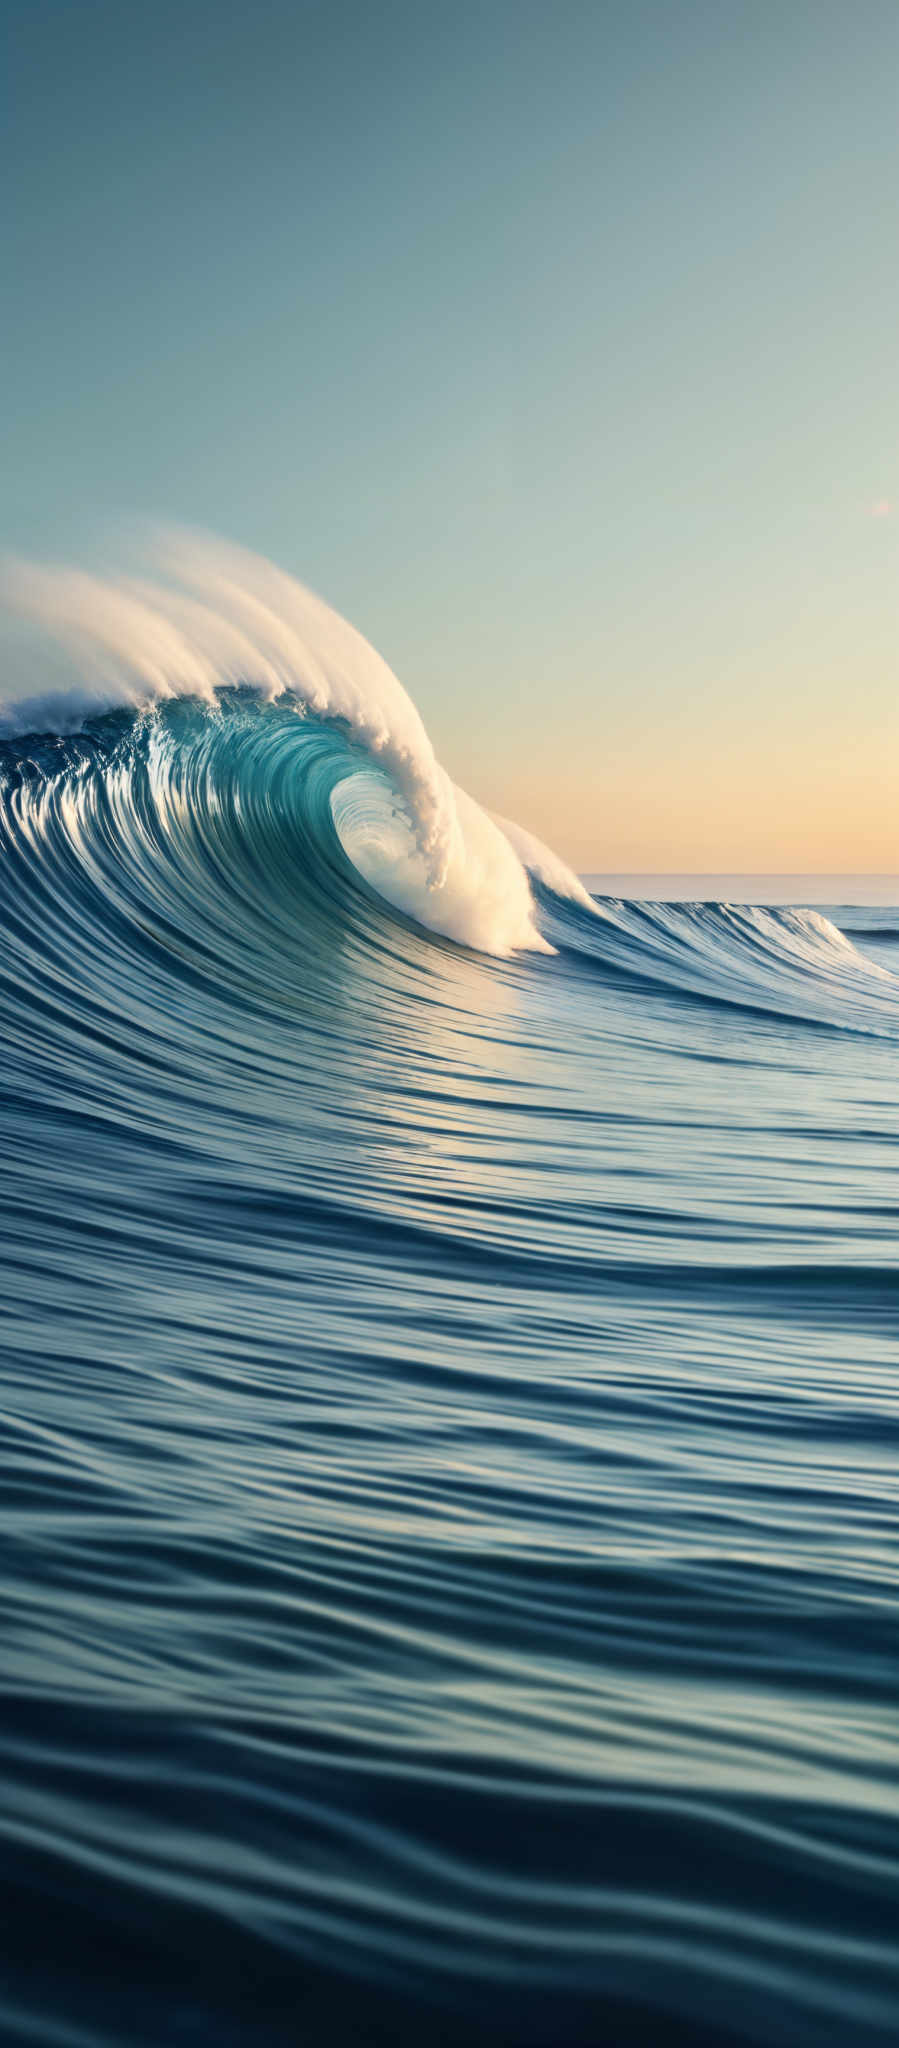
793 962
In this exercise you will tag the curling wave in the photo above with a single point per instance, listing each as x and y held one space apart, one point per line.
305 726
226 618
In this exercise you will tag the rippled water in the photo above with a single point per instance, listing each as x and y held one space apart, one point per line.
449 1437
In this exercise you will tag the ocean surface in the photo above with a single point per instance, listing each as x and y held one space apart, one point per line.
449 1389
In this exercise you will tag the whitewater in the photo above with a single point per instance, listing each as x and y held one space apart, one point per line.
449 1387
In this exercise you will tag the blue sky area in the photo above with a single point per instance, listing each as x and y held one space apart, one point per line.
555 345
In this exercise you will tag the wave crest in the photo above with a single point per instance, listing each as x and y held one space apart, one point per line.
216 616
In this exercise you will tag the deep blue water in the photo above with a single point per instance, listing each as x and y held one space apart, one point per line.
450 1429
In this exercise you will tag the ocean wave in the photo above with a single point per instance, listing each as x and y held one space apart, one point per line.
224 689
222 617
448 1400
789 962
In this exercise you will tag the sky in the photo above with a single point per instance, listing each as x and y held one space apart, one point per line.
555 345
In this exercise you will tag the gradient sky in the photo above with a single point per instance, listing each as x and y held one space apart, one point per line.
554 344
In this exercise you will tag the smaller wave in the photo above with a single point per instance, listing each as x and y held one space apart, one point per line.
789 962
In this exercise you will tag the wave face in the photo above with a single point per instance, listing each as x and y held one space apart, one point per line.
448 1387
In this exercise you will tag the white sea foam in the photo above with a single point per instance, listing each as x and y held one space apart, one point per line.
215 615
540 860
484 899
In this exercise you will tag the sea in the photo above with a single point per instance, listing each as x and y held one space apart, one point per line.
449 1385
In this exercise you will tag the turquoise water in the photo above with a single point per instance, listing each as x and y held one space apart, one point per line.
450 1414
